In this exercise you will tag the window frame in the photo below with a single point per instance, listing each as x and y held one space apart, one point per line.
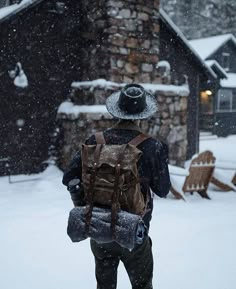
232 96
226 61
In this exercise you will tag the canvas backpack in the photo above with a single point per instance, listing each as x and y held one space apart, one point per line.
110 177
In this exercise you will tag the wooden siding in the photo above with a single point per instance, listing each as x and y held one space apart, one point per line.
226 123
48 47
183 62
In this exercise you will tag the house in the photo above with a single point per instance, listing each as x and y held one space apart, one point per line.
186 63
52 51
218 108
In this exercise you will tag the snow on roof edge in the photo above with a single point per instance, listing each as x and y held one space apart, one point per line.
185 40
16 8
182 90
230 82
212 62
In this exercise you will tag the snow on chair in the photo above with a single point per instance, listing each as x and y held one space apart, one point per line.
224 176
198 177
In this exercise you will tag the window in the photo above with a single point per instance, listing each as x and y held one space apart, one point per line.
226 100
234 101
226 61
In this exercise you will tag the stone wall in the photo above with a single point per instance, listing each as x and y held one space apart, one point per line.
169 124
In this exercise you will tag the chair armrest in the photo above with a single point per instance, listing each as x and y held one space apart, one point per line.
225 165
224 179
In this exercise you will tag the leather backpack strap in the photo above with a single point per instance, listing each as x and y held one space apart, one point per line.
99 136
89 206
135 142
139 139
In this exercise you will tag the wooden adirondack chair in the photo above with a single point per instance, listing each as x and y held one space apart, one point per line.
200 173
234 179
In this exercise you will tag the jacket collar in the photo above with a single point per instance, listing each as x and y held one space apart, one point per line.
129 125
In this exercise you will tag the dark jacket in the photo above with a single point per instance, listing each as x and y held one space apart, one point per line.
152 165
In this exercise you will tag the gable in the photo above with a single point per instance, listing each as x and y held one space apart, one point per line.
226 56
208 46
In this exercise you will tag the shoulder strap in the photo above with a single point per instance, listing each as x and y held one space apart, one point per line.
100 138
139 139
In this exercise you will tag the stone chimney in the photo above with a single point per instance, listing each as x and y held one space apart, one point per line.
120 40
119 44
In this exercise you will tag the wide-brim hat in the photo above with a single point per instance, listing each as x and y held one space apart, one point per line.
131 102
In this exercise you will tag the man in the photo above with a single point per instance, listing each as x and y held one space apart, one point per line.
129 106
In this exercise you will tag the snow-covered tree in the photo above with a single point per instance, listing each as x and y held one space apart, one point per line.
202 18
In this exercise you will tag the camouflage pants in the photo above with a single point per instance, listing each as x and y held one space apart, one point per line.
138 264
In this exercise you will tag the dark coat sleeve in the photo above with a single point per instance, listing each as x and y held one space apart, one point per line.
74 170
160 178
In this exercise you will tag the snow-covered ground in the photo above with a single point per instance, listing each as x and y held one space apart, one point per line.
193 241
224 149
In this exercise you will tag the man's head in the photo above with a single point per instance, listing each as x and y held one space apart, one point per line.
131 102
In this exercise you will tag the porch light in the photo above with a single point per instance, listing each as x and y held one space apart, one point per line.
205 94
208 92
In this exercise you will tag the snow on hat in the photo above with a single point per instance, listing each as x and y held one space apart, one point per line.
131 102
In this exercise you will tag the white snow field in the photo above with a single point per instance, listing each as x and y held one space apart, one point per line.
193 242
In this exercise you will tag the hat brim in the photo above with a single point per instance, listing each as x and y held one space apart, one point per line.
112 104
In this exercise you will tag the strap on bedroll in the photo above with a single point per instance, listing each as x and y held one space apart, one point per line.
115 198
115 205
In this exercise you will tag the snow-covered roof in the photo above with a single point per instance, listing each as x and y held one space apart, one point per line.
182 90
8 11
212 63
205 47
180 34
230 82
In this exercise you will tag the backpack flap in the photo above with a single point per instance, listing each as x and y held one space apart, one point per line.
109 155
